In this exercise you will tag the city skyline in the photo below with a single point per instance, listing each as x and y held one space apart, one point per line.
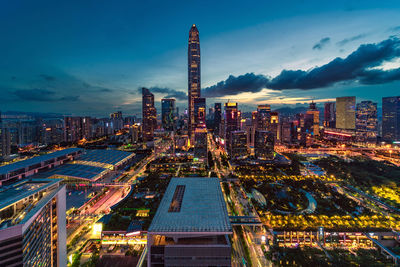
106 69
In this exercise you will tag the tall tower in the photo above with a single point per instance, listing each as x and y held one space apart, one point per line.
193 74
149 115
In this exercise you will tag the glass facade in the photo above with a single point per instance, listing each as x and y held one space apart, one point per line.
194 84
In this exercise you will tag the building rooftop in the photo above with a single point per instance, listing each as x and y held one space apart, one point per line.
112 157
23 189
192 205
35 160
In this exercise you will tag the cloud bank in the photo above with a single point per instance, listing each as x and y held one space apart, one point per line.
357 67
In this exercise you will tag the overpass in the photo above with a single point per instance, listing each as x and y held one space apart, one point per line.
245 220
395 257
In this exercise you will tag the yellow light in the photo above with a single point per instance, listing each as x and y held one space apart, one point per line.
97 228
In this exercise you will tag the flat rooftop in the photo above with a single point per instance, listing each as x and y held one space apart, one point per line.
112 157
192 205
35 160
15 192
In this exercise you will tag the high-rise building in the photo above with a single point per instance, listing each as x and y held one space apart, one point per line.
200 143
149 115
231 122
263 144
168 114
313 113
117 120
367 121
238 147
194 86
199 112
391 118
330 115
5 142
274 126
346 112
191 226
33 224
72 129
217 117
263 117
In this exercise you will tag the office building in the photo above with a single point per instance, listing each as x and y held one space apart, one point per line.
117 120
200 143
168 114
217 117
346 112
330 115
367 121
33 224
391 119
274 126
263 117
191 226
238 147
231 122
263 145
194 85
199 112
149 115
312 115
5 142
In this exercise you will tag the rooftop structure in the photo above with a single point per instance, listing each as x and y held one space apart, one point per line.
191 226
32 223
28 167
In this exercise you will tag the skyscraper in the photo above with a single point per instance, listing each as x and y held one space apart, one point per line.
217 117
330 115
263 144
263 117
367 121
194 86
199 112
168 114
149 114
231 122
313 113
391 118
346 112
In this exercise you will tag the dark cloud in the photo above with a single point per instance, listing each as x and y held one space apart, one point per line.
351 39
322 43
168 92
42 95
357 67
248 82
48 78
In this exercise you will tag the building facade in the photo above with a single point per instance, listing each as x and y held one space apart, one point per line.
231 122
391 118
238 147
33 228
168 114
346 112
330 115
194 82
367 121
263 145
149 115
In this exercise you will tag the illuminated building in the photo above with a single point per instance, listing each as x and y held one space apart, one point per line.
149 115
313 115
330 114
77 128
117 120
346 112
391 118
199 112
194 85
200 143
231 121
263 144
191 226
5 141
367 121
33 224
168 114
263 117
238 148
24 168
134 133
274 126
217 118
